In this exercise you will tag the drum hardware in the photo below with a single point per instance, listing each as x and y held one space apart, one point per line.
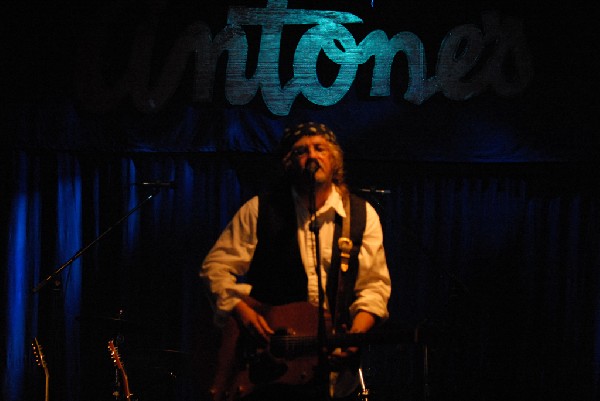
363 394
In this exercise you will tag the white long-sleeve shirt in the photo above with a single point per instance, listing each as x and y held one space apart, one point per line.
232 254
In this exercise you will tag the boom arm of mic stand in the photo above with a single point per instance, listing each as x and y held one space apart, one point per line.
80 252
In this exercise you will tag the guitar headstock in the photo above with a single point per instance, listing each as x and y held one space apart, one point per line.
38 352
114 353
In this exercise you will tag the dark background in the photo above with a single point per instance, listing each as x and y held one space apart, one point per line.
490 213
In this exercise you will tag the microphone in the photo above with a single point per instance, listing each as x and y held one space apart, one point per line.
374 191
311 167
156 184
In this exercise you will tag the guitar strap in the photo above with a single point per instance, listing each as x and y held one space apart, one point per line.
340 382
345 245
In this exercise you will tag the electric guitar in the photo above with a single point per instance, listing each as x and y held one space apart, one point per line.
40 359
290 357
114 353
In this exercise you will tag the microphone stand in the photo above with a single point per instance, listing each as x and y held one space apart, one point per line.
321 376
77 254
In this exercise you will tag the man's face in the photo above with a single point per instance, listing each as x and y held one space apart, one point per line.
313 147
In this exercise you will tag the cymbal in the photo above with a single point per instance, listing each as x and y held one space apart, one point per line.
159 360
109 321
159 353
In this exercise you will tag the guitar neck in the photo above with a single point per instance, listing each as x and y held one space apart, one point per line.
126 386
47 388
294 346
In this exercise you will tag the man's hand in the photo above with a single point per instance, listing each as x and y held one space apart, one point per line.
363 321
252 321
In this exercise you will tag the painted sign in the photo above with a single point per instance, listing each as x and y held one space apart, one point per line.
470 61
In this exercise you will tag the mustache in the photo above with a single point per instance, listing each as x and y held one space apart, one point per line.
311 167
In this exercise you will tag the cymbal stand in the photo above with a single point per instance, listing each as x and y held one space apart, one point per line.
117 386
363 394
119 339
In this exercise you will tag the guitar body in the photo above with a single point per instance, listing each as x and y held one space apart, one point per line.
291 357
242 367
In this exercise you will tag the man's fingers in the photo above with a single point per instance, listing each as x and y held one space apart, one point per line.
262 328
258 327
264 325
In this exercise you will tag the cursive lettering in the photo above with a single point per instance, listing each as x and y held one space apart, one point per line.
461 71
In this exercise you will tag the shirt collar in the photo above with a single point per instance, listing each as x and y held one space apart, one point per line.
334 201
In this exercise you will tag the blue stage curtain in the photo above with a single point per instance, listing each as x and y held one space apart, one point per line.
69 241
504 260
22 266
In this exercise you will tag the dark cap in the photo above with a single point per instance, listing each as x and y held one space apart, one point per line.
293 134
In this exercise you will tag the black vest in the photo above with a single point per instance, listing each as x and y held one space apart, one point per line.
276 273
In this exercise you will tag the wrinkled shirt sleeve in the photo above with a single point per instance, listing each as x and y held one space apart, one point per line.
229 259
373 284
